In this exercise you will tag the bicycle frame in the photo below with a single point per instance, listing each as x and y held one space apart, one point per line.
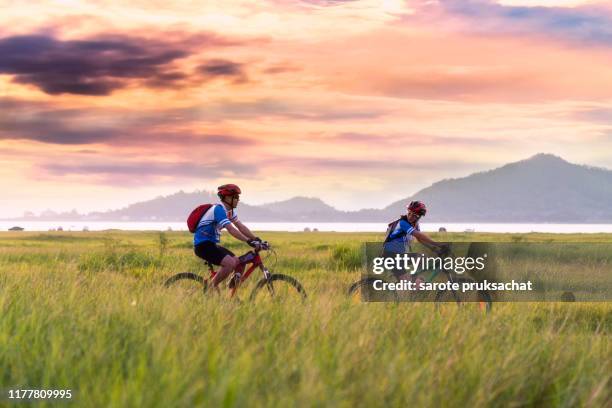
251 257
434 273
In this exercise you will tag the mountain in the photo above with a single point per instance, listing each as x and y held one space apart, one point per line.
161 208
175 207
543 188
301 205
304 209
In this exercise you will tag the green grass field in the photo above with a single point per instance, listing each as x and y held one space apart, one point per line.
87 311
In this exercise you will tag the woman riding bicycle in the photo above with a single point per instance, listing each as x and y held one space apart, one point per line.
402 231
207 235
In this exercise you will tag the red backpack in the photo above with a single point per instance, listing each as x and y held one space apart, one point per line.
196 215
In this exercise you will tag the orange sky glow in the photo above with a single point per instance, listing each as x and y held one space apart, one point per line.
360 103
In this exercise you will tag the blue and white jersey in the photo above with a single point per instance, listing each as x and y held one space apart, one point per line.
215 219
399 239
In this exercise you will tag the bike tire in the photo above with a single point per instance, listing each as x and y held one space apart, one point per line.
277 277
187 276
484 302
367 283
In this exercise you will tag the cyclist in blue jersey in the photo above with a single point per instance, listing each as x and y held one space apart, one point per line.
207 235
402 231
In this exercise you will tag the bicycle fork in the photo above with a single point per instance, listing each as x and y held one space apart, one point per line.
267 276
236 279
453 291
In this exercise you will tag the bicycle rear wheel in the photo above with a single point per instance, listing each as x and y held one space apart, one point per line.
188 282
476 300
278 287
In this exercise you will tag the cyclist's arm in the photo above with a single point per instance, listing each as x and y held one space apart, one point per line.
244 230
234 232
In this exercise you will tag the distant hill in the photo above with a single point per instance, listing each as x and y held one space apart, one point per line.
162 208
543 188
175 207
301 205
304 209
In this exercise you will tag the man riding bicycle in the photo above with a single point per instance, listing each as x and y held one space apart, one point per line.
207 235
402 231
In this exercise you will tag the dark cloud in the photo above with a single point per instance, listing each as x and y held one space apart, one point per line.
281 69
88 67
223 68
57 127
41 123
172 79
103 64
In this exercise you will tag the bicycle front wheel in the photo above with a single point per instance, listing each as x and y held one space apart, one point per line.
278 286
477 300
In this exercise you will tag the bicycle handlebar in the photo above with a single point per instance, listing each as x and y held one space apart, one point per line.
262 246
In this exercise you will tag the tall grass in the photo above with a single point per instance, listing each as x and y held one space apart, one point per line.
91 315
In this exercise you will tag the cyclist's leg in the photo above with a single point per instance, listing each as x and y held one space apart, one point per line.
228 264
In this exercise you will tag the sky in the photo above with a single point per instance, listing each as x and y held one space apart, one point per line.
359 103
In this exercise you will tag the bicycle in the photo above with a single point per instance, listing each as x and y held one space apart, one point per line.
277 285
479 299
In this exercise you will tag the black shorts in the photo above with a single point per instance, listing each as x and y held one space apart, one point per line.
211 252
